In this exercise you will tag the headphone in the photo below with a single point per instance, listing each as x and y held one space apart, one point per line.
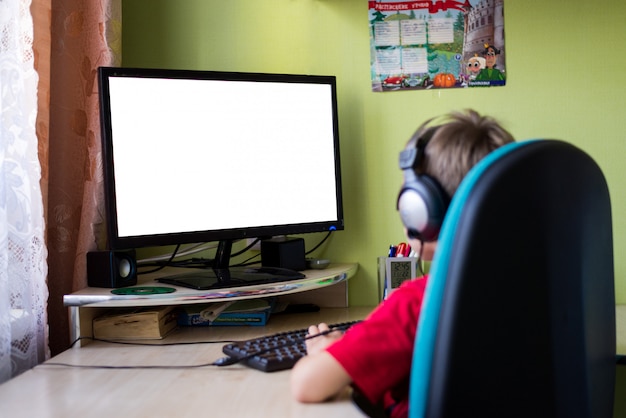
422 201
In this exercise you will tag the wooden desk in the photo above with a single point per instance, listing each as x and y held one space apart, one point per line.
234 391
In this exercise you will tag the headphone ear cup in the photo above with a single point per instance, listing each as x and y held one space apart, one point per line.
422 205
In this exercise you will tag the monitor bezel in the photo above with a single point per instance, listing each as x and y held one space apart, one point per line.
117 242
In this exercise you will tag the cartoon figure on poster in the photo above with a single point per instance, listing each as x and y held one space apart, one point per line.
474 67
490 72
418 45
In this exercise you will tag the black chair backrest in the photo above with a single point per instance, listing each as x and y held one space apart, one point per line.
519 316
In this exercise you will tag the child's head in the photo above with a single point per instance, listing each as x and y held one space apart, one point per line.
457 142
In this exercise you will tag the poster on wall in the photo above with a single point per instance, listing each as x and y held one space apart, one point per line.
419 45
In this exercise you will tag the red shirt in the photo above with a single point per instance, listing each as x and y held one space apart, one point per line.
377 352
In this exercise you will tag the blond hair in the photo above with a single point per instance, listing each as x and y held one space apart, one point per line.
459 141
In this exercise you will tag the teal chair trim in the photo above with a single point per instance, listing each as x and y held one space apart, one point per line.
429 316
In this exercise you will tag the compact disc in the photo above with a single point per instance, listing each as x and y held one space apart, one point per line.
143 290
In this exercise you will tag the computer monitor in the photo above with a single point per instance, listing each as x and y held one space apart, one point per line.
200 156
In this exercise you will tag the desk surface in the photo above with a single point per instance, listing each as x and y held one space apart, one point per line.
234 391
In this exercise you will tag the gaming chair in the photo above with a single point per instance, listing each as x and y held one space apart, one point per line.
519 311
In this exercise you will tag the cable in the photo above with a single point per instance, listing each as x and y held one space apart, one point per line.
247 261
120 342
192 262
82 366
86 366
319 243
419 259
204 263
221 362
252 244
167 263
195 248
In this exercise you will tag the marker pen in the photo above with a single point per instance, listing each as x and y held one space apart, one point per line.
402 250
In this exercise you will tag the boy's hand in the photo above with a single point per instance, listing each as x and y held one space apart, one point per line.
317 376
318 344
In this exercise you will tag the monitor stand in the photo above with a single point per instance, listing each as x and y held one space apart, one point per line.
222 276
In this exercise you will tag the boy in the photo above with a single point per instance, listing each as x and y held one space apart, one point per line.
375 355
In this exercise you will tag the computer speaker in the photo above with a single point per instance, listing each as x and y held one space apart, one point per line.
111 268
284 253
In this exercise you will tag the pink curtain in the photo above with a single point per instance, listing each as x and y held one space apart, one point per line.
72 39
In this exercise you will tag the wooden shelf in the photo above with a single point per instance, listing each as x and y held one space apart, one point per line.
88 303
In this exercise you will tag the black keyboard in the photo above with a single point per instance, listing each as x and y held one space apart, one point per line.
275 352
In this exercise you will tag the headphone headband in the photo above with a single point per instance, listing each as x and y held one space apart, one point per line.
413 153
422 202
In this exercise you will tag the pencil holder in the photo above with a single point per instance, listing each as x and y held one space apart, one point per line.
392 271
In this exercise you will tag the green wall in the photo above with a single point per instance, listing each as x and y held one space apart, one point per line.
564 64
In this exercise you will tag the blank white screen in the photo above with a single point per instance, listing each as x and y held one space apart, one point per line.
195 155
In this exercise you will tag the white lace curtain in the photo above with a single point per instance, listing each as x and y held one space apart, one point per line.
23 268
